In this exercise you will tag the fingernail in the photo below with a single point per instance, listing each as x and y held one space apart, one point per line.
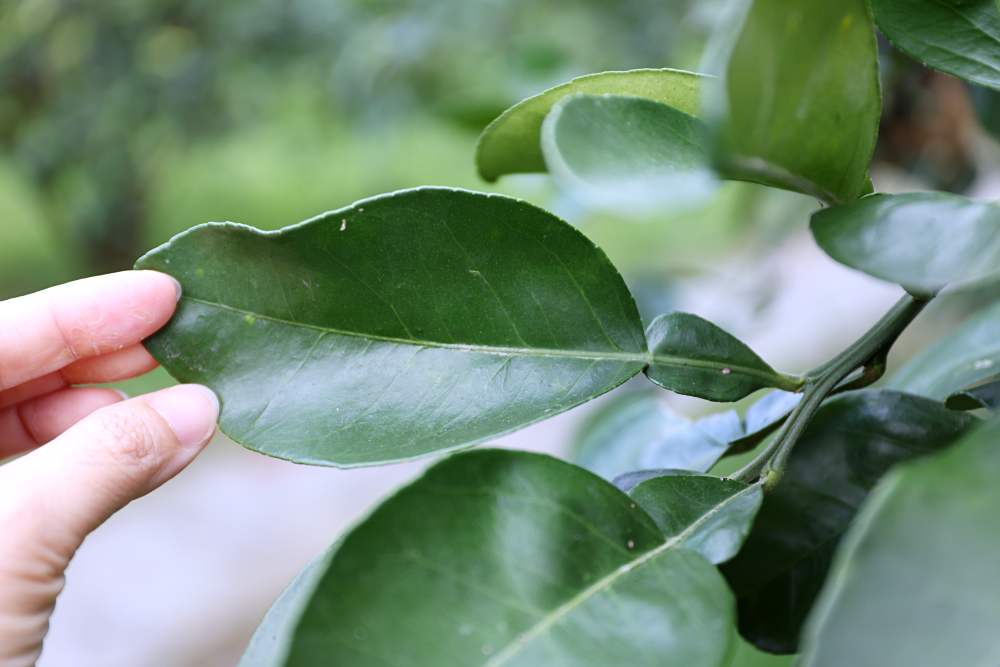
177 287
121 393
190 410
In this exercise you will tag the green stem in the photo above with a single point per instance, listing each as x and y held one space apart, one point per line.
823 381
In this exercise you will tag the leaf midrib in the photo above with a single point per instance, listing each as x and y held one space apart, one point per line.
598 586
644 358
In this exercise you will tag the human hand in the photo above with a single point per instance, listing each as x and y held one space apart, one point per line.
100 451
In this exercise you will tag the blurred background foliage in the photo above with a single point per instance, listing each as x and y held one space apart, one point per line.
123 122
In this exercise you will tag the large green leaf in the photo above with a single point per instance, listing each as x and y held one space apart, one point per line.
852 442
511 144
694 357
915 583
412 322
506 558
626 152
960 37
922 241
799 103
962 358
724 509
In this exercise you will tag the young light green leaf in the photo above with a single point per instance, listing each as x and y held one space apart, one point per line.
723 510
413 322
638 431
851 443
631 152
984 395
694 357
960 37
920 567
798 105
500 558
922 241
964 357
511 144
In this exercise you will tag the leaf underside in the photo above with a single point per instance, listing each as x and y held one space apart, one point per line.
511 144
626 153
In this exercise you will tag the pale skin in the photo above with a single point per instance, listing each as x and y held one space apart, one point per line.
81 453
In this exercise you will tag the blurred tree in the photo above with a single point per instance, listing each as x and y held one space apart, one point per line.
92 91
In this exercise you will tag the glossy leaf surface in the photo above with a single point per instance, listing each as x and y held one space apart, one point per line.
694 357
960 359
508 558
919 567
511 144
638 431
798 105
960 37
852 442
723 508
408 323
922 241
626 151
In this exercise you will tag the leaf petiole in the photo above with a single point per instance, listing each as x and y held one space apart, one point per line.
868 352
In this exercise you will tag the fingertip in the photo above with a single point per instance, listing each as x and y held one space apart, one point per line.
190 410
174 284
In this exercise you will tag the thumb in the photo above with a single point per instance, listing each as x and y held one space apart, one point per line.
51 499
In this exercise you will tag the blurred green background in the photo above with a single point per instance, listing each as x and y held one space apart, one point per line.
123 122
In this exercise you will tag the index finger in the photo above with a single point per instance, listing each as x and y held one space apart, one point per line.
43 332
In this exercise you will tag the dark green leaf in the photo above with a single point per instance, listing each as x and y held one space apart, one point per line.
798 106
692 356
969 355
915 583
723 508
511 144
508 558
960 37
851 443
638 431
408 323
922 241
626 152
983 395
